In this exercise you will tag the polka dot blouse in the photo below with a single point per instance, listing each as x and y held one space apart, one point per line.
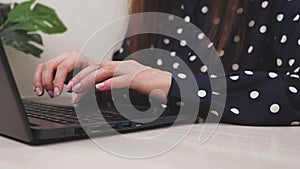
262 84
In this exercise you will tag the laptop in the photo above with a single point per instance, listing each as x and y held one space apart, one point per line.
34 121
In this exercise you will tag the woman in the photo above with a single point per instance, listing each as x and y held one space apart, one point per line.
258 42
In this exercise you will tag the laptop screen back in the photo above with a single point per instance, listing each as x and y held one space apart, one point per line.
13 122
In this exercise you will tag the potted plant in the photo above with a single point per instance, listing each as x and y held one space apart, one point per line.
21 24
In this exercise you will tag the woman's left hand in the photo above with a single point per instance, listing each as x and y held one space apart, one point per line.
109 75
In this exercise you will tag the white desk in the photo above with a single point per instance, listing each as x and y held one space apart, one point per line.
232 147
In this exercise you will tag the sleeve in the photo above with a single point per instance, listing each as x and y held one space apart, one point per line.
259 97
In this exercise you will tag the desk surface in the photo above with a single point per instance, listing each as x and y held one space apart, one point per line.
230 147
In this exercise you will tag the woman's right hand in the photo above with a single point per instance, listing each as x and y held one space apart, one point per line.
51 75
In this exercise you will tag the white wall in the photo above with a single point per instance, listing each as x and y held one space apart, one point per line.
82 18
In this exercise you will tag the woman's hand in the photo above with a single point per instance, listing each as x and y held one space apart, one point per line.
109 75
44 78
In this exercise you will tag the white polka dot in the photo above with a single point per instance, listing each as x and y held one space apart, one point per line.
173 54
171 17
159 62
296 18
179 31
164 106
292 62
235 67
288 73
183 43
215 112
121 50
263 29
210 45
201 36
251 23
203 69
182 75
275 108
273 75
182 7
295 76
237 39
216 93
248 72
204 9
180 104
279 62
166 41
176 65
187 19
250 49
202 93
234 78
221 53
297 70
295 123
299 42
213 76
284 39
293 89
254 94
193 58
235 111
280 17
240 10
264 4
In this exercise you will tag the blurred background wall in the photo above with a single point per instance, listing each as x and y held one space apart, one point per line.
83 18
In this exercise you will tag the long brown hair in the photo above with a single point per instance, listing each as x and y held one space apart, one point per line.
223 21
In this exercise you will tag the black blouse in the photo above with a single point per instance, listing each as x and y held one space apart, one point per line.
263 83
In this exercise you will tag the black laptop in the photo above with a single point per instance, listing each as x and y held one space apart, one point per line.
35 121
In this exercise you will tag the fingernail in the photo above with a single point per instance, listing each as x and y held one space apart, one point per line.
69 86
56 92
77 87
74 99
38 91
100 85
50 93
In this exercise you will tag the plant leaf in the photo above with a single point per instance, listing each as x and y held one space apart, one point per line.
35 17
23 41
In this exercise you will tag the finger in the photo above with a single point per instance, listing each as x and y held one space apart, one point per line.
95 77
92 68
113 83
37 80
48 71
61 74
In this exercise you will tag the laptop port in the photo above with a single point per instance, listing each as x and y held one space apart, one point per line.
126 125
113 125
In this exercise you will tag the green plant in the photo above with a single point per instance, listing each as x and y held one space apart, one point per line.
20 25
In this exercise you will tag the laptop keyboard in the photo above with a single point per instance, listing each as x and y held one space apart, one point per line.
66 115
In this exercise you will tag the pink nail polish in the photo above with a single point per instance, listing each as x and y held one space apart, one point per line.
56 92
50 93
38 91
100 85
69 86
